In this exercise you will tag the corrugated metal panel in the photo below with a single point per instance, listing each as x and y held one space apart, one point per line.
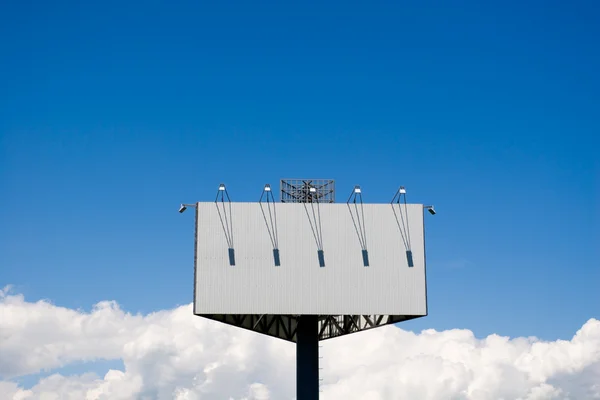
299 286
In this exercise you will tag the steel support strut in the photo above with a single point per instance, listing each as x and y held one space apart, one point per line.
307 358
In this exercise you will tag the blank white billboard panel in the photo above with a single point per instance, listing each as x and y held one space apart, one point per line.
343 279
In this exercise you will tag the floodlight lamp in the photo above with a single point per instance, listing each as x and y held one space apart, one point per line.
267 188
402 190
356 189
313 190
222 187
430 209
182 208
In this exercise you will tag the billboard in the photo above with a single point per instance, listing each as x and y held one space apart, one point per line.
309 258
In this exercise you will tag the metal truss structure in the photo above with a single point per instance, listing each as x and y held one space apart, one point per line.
285 326
307 191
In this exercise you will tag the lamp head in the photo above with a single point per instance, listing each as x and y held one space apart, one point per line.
430 209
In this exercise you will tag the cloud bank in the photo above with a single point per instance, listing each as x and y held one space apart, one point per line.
171 354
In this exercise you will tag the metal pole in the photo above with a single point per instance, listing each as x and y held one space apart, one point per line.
307 358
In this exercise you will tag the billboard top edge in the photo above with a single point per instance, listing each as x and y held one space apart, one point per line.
321 204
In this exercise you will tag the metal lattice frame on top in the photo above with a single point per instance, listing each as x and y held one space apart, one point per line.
307 190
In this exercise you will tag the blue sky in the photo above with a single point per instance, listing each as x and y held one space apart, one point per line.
112 114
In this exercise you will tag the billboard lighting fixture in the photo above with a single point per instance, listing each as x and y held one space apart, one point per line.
184 207
222 187
356 189
430 209
267 188
313 190
402 190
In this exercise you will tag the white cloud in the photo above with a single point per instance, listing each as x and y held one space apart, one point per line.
173 355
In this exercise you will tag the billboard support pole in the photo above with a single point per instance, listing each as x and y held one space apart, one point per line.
307 358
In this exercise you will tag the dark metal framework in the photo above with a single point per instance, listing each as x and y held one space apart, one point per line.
299 190
285 326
